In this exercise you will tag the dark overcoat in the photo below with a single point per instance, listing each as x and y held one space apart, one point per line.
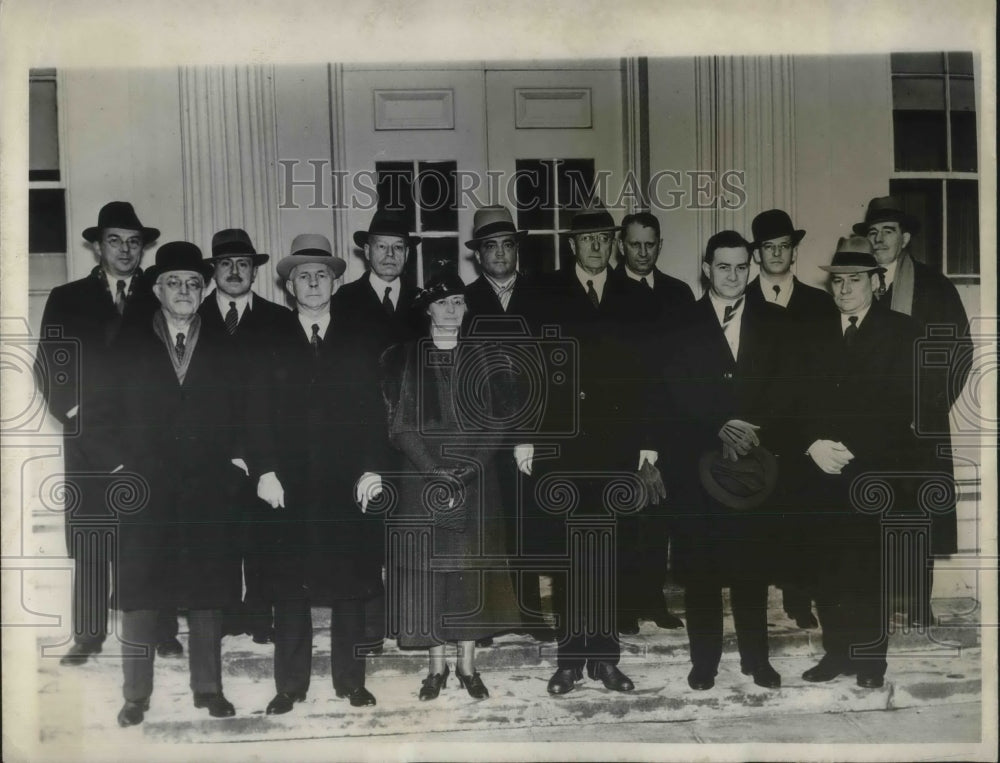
672 296
182 549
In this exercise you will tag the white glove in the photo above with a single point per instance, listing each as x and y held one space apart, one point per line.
523 457
118 468
269 489
368 487
741 436
241 464
830 456
71 413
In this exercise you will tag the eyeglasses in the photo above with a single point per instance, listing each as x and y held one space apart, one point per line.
772 248
134 243
587 238
508 245
398 248
175 284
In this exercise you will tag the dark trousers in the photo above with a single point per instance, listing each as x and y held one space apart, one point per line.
583 639
642 566
849 604
143 627
703 604
292 646
347 637
526 584
91 587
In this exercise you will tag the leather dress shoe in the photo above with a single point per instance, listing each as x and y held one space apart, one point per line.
667 619
701 679
544 635
170 648
827 669
359 697
431 686
265 636
80 653
472 684
484 642
763 674
131 713
218 706
628 626
806 620
871 680
284 701
610 676
564 680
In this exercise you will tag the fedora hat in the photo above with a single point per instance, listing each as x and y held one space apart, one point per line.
179 255
742 484
309 248
592 219
120 214
386 223
492 221
887 209
235 242
773 223
444 283
854 255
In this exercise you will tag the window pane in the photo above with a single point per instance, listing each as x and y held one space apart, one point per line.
963 227
533 194
917 63
46 220
43 131
963 94
920 140
395 189
960 63
963 141
537 254
922 199
918 93
574 187
437 196
436 252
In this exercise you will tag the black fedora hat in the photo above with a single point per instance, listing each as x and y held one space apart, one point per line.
854 255
887 209
235 242
774 223
592 219
386 223
742 484
179 255
120 214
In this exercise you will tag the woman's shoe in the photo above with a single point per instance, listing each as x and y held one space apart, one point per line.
433 684
472 684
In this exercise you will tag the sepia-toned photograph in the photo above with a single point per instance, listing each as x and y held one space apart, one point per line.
512 383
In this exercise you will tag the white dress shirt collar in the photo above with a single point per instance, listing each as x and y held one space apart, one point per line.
785 284
845 319
648 278
379 286
307 323
242 303
599 280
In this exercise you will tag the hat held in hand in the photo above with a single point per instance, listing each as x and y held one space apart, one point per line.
742 484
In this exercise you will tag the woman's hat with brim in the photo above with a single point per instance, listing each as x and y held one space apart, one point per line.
592 219
386 223
444 283
120 214
742 484
854 255
887 209
235 242
492 221
179 255
774 223
308 248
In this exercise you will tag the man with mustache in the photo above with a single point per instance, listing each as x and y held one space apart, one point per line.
247 327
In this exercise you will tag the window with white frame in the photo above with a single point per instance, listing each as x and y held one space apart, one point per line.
935 170
46 191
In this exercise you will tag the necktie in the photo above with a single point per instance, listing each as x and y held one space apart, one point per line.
730 313
504 293
880 291
315 339
592 294
179 348
645 283
387 302
232 318
120 297
851 331
777 291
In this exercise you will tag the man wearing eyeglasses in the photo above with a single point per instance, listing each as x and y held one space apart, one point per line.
174 387
91 311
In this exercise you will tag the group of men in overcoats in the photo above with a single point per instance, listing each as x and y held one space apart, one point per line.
261 435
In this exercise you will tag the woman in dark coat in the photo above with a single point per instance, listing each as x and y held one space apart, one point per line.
438 402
